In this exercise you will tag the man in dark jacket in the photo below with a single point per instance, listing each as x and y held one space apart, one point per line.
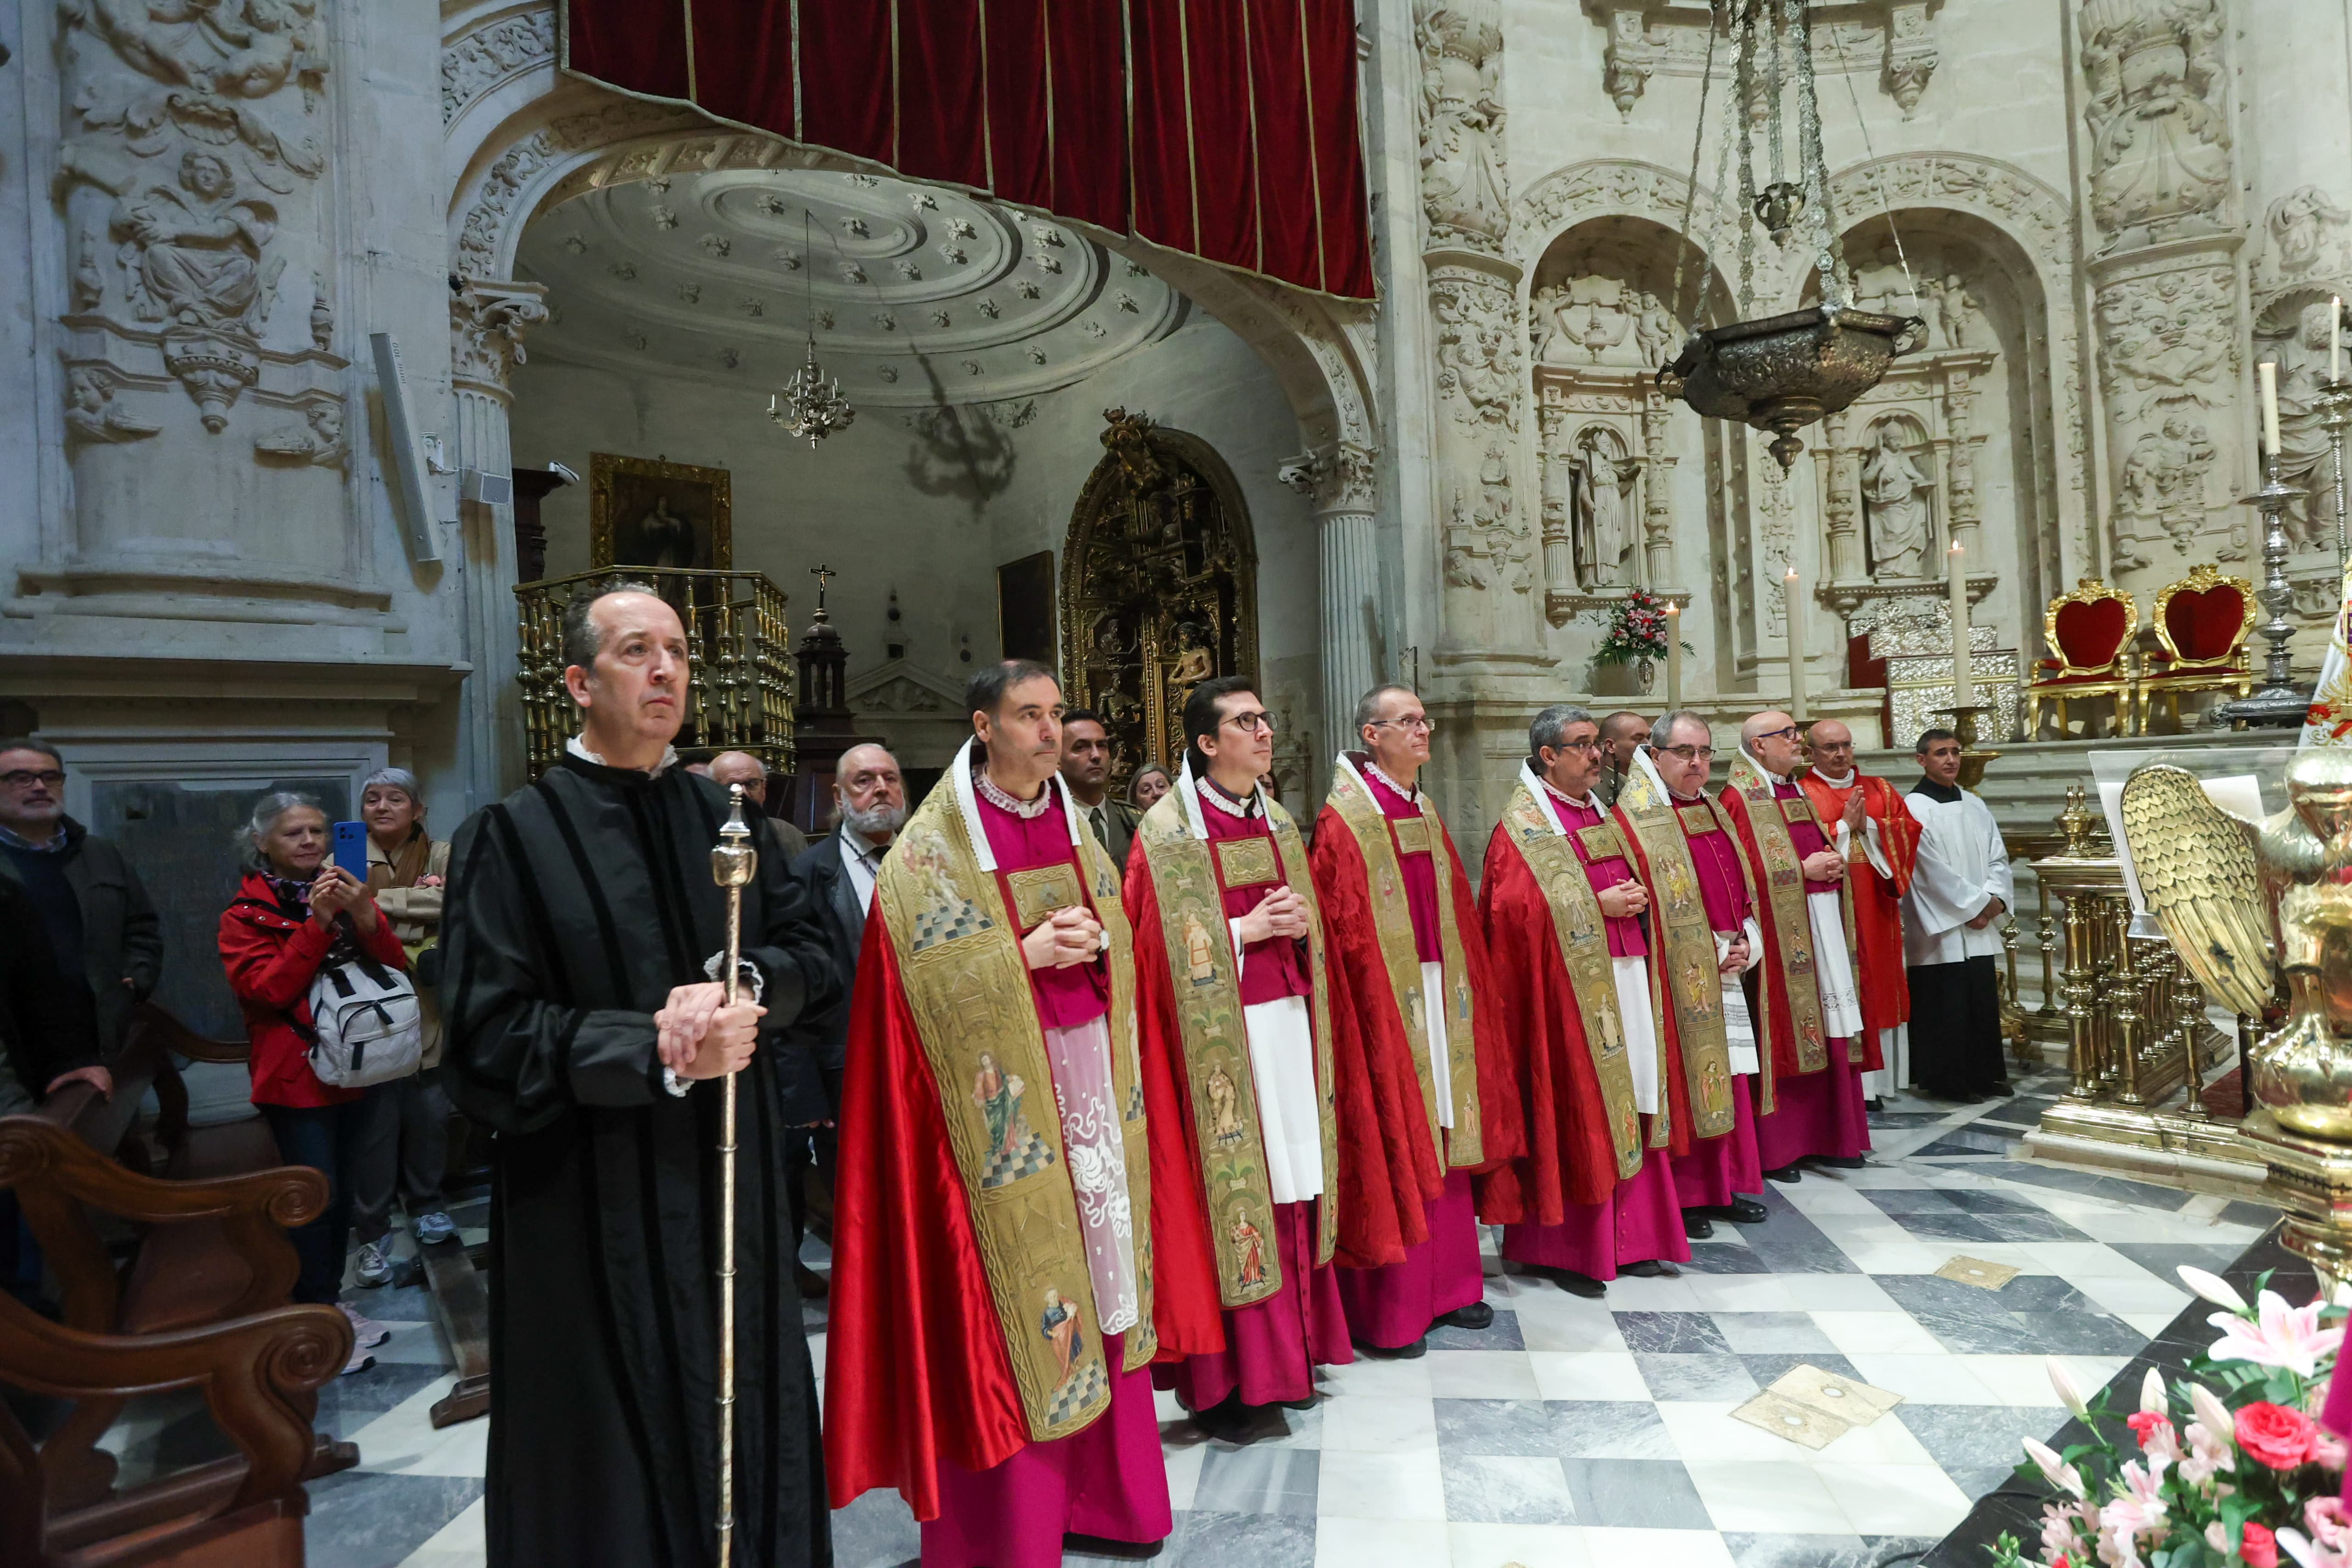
869 801
47 1041
107 942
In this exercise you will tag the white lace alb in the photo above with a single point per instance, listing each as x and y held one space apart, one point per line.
1410 792
1224 803
1026 810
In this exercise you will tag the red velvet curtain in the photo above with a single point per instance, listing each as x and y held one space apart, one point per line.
1222 128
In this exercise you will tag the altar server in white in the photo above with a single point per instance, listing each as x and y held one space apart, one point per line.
1951 931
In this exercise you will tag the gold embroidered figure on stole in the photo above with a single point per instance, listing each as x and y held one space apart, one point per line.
1200 958
1224 1107
1249 1250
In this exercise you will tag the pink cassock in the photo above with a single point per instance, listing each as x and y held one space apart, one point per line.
1109 1480
1390 1307
1718 1168
1272 1347
1815 1112
1642 1221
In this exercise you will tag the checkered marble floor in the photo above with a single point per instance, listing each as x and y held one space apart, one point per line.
1572 1434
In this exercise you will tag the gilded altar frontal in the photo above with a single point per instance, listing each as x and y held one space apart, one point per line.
1911 433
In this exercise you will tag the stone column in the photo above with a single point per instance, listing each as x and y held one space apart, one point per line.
1841 503
1555 486
1658 492
486 322
1338 478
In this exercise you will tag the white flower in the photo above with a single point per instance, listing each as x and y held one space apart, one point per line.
2057 1471
2151 1393
2070 1392
2211 1414
2212 1287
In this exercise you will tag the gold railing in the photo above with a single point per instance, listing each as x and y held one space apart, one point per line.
740 696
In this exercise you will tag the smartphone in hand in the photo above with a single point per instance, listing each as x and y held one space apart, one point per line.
350 850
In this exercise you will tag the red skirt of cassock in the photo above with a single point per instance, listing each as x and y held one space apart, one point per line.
1815 1113
1717 1169
1272 1347
1391 1306
1642 1221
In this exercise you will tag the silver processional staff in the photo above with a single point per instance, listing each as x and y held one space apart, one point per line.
733 863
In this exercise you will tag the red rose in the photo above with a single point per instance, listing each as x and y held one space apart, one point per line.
2274 1435
2144 1424
2258 1546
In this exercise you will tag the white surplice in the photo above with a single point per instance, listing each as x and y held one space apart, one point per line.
1962 863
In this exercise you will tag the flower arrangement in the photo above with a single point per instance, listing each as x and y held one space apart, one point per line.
2249 1479
1637 629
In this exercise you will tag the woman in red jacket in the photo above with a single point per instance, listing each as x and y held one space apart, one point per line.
295 913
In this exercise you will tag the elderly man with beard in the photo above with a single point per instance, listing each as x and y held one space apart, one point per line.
1805 1003
869 798
1594 1197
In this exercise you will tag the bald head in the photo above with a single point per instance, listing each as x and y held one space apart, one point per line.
1833 748
730 768
1622 733
1771 738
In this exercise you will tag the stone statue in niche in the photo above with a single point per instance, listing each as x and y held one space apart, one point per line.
1604 522
1897 505
91 413
1464 188
2164 478
2299 346
193 254
2160 146
1656 331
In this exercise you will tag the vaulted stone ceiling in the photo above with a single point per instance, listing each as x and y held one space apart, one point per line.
915 294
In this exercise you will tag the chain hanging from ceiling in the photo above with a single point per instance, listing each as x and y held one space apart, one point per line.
1779 373
811 406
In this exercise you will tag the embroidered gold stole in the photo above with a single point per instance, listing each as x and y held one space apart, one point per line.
1583 941
1392 922
1783 877
967 986
1204 978
1684 969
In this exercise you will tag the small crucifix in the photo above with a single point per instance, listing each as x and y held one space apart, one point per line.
823 574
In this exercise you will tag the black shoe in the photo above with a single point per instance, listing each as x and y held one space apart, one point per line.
2000 1090
1745 1211
1414 1352
1786 1174
1650 1268
1841 1162
1102 1546
1305 1404
1960 1097
1576 1284
1477 1315
1873 1105
1227 1416
1697 1225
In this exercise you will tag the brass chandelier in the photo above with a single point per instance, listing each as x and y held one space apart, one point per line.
1779 373
810 406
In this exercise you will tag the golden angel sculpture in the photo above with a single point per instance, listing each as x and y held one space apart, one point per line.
2246 904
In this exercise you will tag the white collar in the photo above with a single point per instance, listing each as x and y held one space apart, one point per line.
1844 782
996 796
578 747
961 773
1410 792
1188 789
1217 797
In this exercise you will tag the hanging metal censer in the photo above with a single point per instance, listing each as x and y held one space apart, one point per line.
1784 372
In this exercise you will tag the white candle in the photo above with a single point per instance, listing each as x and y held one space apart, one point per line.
2336 339
1963 689
1794 590
2267 371
1674 656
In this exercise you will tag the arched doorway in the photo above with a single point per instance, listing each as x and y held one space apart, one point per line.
1159 587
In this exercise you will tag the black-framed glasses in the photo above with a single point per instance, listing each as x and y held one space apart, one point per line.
1410 724
1251 723
1788 734
24 778
1592 744
1686 753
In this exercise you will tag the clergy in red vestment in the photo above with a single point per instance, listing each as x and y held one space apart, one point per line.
1434 1100
1803 998
995 1302
1233 1024
1679 832
1875 832
1594 1195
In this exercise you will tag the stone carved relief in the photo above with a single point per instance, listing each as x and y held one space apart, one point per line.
1896 39
91 413
2169 366
2168 339
488 320
2307 243
2291 331
1478 354
178 112
1930 290
2165 478
1597 319
478 61
2159 163
1604 507
1897 498
317 441
1338 477
1464 188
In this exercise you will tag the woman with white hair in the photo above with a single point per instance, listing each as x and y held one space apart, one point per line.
295 913
406 1144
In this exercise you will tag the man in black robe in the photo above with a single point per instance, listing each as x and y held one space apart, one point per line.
581 944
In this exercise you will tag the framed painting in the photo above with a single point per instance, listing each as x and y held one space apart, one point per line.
643 511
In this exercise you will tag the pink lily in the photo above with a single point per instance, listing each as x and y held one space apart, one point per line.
2281 1336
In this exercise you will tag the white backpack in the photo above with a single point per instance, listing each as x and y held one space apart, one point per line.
366 1024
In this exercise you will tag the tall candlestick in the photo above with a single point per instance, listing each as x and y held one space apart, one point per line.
1674 656
1796 611
1963 688
2336 337
2267 371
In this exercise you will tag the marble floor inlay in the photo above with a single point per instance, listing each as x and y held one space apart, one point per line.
1571 1433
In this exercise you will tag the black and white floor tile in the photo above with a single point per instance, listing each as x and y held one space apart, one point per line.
1573 1434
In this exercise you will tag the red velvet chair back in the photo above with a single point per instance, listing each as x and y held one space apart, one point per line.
2205 623
2091 632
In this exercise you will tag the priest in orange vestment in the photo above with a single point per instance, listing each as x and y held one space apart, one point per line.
1436 1100
1875 832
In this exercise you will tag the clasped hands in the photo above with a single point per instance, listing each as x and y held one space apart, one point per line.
1625 899
1735 957
1069 935
1281 912
1994 908
699 1036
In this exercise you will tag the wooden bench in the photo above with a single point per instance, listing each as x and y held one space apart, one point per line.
200 1303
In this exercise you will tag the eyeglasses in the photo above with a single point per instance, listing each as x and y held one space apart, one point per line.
1686 753
1788 734
1417 723
1251 723
24 778
1591 745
